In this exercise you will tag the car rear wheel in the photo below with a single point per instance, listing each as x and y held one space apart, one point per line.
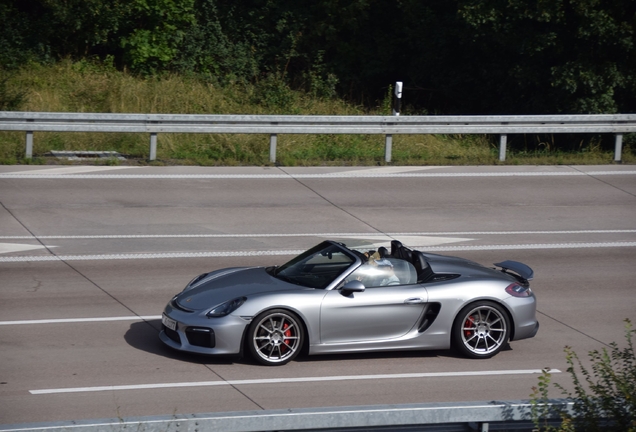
481 330
275 337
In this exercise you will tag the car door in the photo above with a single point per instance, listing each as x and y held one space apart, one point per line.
379 313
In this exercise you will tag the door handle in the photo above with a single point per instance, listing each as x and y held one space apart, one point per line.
414 300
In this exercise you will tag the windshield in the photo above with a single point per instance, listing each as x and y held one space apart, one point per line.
317 267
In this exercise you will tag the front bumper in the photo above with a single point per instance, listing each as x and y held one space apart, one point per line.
197 333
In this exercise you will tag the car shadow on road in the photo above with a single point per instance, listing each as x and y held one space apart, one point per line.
422 354
144 336
374 356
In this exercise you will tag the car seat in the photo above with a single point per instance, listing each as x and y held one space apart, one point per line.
417 258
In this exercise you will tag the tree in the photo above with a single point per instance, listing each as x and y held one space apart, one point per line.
557 56
48 30
454 56
156 32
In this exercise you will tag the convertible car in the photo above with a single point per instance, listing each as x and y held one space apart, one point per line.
338 299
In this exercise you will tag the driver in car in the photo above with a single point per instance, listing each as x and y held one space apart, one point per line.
377 272
386 268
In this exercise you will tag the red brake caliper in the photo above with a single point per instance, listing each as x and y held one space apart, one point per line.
470 322
287 333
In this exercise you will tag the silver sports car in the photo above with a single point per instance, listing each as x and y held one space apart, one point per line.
336 299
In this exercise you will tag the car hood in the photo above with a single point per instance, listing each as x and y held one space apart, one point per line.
229 285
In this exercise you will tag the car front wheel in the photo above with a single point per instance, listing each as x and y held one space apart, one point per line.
275 337
481 330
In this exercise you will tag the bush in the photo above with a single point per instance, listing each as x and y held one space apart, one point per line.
10 98
604 398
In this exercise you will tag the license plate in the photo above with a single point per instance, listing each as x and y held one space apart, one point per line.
168 322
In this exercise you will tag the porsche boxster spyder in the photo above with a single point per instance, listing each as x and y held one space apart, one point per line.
338 299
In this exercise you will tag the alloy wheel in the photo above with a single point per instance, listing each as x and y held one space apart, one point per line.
276 337
482 330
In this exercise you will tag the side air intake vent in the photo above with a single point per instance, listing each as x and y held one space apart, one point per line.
430 313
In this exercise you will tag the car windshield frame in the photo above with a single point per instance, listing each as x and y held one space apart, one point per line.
316 268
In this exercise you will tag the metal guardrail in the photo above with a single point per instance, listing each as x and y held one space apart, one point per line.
274 125
460 416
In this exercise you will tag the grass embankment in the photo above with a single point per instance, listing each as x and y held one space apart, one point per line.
88 87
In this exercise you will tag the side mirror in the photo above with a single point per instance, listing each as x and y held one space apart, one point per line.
351 287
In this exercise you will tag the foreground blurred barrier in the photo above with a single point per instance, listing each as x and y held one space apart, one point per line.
459 416
274 125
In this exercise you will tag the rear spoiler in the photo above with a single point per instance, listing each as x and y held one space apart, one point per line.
525 272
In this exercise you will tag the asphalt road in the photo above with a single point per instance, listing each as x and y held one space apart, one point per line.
89 256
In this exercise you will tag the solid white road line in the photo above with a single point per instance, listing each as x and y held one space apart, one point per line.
289 380
82 320
40 258
360 174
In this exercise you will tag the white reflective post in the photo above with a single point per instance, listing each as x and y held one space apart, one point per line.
397 100
397 103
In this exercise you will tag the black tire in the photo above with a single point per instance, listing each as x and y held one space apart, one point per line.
481 330
275 337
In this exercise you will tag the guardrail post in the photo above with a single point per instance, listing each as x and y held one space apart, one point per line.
153 146
503 139
388 148
272 148
618 148
29 145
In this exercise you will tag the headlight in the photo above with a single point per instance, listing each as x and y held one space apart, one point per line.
226 308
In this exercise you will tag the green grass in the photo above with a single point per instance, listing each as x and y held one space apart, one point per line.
89 87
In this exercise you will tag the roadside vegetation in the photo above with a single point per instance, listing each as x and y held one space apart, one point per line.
604 396
95 86
463 57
